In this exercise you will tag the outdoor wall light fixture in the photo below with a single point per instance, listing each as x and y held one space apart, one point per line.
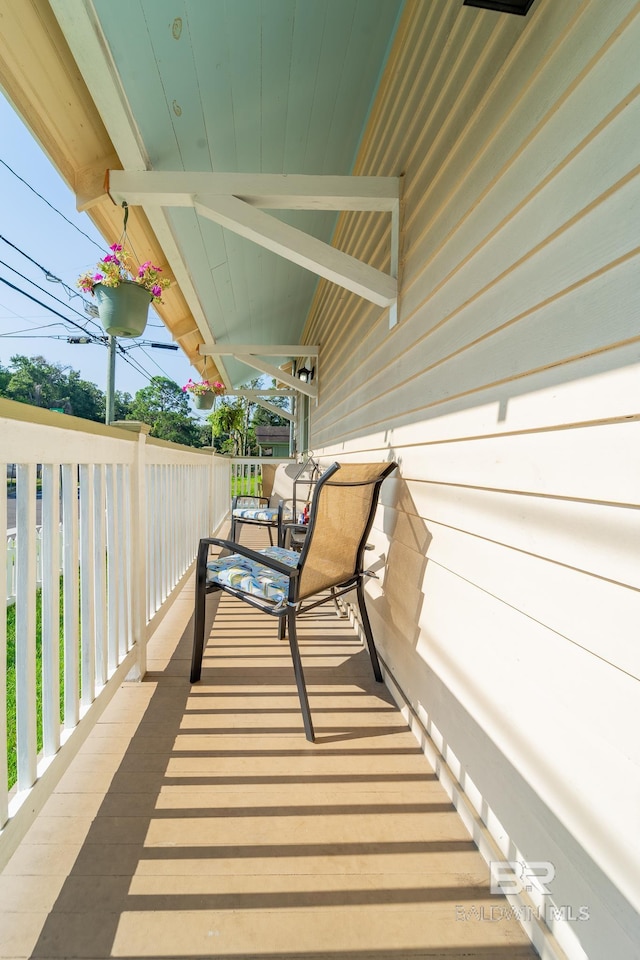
501 6
305 374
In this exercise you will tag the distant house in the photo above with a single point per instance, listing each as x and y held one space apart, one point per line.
273 441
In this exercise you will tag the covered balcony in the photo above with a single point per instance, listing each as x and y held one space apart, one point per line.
165 819
420 219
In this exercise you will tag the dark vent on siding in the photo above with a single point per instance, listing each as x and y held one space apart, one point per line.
508 6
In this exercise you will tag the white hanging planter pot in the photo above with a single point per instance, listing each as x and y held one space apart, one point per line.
123 310
204 401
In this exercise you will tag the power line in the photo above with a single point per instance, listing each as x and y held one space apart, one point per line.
46 307
43 290
52 277
95 339
26 333
141 368
155 362
134 364
50 205
38 336
47 273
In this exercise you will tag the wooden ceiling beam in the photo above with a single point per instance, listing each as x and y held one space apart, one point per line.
269 191
234 201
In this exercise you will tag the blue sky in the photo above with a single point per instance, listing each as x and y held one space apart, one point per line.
30 228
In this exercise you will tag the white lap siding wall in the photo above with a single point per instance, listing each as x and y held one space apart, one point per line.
509 394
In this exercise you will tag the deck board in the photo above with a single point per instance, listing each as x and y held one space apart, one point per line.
199 822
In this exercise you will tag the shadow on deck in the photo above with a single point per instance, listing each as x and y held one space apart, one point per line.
198 822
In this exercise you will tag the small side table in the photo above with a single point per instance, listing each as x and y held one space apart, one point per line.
294 536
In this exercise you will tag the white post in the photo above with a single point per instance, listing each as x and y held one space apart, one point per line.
113 590
26 625
87 584
71 597
212 499
4 804
138 565
100 575
123 539
51 608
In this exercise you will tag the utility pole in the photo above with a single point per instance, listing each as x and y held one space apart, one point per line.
111 382
110 399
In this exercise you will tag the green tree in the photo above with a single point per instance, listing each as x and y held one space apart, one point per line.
37 382
204 434
268 418
84 399
234 420
228 426
121 403
33 380
121 406
5 376
165 408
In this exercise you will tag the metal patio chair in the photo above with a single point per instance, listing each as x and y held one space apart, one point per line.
276 506
284 583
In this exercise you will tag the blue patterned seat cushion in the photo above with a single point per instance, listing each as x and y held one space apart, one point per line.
253 577
266 514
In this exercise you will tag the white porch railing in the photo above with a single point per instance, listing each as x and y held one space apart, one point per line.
125 512
12 568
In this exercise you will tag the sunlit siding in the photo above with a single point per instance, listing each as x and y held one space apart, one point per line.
509 393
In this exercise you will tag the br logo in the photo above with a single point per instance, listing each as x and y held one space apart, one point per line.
514 876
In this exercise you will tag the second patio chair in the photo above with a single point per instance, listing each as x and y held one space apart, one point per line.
285 584
276 505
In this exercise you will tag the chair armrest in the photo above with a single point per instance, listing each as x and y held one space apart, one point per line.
234 547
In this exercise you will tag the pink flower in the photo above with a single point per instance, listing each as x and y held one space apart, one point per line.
114 270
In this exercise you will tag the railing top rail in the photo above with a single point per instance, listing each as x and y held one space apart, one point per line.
243 460
35 435
38 416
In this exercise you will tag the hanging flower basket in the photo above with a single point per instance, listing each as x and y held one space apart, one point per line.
204 392
123 292
123 309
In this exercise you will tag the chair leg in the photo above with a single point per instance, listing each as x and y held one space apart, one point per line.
198 614
282 628
198 640
366 626
270 536
297 669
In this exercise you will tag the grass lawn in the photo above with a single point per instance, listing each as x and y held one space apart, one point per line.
246 486
11 682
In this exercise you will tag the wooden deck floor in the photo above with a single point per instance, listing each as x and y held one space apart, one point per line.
198 822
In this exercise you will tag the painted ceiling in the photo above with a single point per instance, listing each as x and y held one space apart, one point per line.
234 86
